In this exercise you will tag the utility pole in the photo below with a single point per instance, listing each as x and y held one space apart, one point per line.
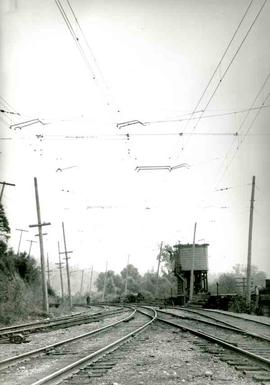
67 266
3 187
248 287
30 247
105 282
91 279
26 231
192 266
126 282
81 283
48 271
159 257
42 261
59 264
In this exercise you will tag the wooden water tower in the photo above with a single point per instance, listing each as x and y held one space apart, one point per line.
183 256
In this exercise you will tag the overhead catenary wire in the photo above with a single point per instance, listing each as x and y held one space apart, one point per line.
230 62
150 122
177 120
87 55
87 44
75 38
221 59
9 112
226 162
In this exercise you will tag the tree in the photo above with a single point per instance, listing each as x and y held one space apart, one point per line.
27 269
4 225
258 277
227 284
114 283
132 272
167 258
4 231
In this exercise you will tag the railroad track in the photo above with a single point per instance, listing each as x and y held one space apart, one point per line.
246 351
77 357
19 333
254 325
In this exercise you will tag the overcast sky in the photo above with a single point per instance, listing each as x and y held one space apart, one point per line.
150 61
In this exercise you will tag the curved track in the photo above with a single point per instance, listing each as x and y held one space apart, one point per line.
73 355
55 323
251 352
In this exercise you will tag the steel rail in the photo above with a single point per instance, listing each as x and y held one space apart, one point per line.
241 330
234 315
218 341
65 321
223 325
67 369
11 360
82 313
6 328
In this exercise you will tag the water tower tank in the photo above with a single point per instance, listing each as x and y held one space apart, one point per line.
183 257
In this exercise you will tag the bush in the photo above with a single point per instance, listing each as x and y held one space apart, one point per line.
18 300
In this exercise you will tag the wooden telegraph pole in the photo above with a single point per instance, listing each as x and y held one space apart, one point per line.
60 264
91 280
159 257
105 282
67 266
126 282
81 289
22 231
192 265
48 270
3 187
30 247
248 287
42 260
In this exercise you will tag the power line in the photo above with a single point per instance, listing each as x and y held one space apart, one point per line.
75 38
221 59
87 44
9 112
229 162
205 117
231 61
81 49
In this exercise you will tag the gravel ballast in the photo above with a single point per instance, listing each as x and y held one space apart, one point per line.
163 355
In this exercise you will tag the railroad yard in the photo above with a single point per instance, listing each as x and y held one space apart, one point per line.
134 192
122 345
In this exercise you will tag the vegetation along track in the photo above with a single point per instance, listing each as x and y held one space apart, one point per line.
18 332
246 351
53 363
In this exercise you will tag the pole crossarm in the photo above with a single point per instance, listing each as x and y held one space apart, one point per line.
3 187
37 235
65 252
8 184
41 224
